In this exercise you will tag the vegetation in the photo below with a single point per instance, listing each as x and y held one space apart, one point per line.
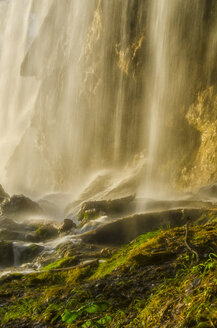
152 282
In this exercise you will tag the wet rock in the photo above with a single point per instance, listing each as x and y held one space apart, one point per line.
93 209
20 205
106 252
126 229
11 230
6 254
44 259
208 192
67 225
11 235
83 251
43 233
7 223
30 252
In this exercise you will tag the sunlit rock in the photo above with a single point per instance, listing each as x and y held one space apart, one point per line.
202 115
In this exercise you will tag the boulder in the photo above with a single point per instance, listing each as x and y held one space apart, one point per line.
11 235
20 205
30 252
11 230
6 254
43 233
115 207
122 231
67 225
9 224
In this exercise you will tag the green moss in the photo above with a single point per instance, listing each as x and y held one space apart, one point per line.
122 258
46 232
88 215
151 281
80 274
62 263
46 278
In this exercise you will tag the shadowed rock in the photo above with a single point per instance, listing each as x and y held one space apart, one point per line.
6 254
30 252
126 229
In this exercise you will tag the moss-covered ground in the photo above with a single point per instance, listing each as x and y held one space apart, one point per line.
152 282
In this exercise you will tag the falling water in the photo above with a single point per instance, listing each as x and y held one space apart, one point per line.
170 66
96 85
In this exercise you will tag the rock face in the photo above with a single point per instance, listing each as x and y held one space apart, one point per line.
6 254
208 192
20 205
3 194
202 115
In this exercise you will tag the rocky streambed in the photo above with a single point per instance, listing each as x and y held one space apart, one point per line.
31 239
109 261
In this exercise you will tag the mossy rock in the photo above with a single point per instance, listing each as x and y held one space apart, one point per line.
139 293
67 225
62 263
93 209
153 259
44 232
6 254
30 252
10 235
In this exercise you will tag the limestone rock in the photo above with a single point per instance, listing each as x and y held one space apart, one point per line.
202 115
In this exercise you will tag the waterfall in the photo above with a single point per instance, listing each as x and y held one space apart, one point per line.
170 50
96 85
